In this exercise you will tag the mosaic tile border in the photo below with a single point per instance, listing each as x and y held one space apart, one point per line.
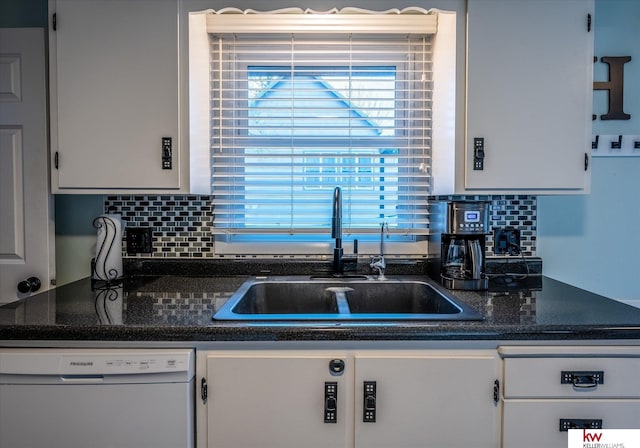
182 224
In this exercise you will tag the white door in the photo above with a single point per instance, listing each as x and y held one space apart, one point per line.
26 212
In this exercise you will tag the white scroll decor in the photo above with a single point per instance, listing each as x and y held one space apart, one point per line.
108 262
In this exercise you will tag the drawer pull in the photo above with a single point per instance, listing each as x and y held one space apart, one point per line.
579 423
582 380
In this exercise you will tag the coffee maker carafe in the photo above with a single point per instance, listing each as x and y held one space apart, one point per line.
463 246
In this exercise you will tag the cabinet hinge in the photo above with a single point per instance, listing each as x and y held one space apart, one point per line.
586 161
588 23
55 160
54 21
204 393
496 392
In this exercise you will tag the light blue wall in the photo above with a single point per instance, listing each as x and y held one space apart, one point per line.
593 241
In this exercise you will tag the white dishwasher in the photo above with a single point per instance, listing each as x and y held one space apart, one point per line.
99 398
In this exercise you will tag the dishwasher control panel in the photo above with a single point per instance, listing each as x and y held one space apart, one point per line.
98 361
123 364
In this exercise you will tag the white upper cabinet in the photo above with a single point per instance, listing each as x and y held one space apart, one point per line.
119 86
114 70
529 95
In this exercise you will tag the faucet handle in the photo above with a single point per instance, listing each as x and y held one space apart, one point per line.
379 264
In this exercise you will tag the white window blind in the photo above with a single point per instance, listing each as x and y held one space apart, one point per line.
296 114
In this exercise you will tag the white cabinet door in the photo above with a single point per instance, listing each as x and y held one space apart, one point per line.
428 399
26 209
114 94
262 399
276 399
529 94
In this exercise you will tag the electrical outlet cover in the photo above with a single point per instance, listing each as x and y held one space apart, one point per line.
506 241
139 240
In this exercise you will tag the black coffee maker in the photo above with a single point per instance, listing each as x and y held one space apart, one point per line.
463 246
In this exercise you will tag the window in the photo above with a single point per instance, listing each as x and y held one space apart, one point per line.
295 114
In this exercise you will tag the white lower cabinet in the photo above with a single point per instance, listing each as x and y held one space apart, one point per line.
360 398
548 390
272 400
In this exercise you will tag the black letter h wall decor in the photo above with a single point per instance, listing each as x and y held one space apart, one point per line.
615 86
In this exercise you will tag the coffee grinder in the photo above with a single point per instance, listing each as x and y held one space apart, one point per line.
464 244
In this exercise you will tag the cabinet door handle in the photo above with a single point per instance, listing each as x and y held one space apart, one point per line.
331 402
582 380
370 404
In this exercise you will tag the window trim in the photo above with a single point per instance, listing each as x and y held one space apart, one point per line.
443 136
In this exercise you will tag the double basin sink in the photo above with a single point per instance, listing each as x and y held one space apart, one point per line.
359 298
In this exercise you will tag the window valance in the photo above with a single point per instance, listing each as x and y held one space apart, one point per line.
412 20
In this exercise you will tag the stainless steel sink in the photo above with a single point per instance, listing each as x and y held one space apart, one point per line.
308 298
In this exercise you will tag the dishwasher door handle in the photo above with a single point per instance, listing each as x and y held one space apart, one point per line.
82 379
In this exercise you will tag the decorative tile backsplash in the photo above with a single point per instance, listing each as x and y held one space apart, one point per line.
510 211
518 212
182 224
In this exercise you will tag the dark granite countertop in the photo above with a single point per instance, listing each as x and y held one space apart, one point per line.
180 308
